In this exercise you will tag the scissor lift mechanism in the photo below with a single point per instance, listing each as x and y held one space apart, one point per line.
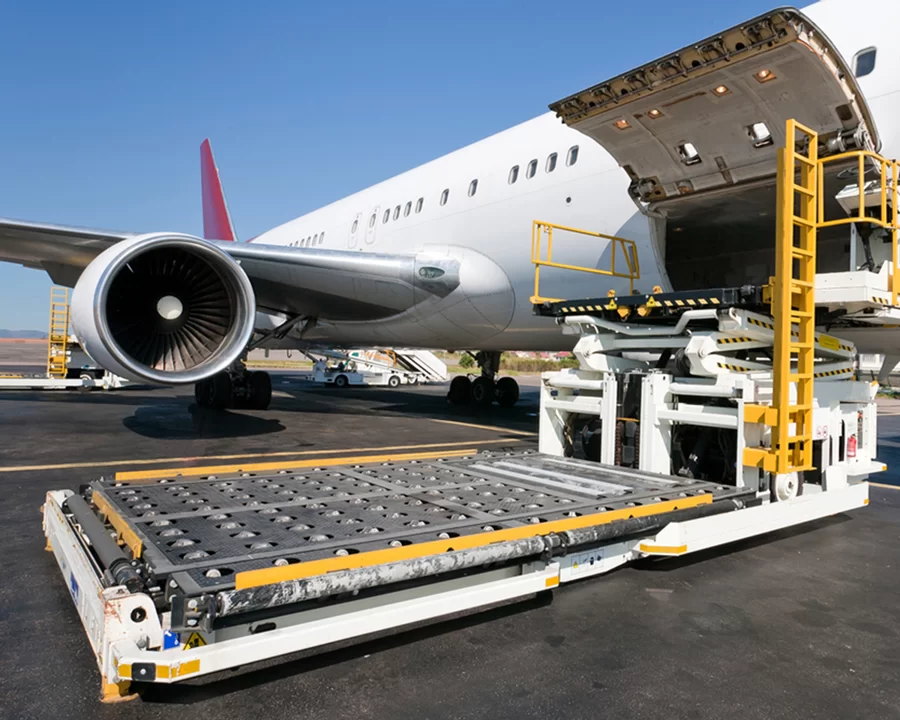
180 574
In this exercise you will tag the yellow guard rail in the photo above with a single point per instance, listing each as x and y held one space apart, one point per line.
627 247
800 214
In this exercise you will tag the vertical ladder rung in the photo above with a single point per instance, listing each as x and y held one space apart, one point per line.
804 222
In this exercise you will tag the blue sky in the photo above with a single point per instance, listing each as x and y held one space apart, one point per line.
104 104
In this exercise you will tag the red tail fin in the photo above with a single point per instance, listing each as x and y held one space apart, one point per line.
216 219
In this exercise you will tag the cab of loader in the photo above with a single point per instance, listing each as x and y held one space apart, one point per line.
698 132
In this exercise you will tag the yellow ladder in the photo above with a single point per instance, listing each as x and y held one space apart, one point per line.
793 303
58 337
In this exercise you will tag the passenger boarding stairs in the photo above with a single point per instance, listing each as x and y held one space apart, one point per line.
423 364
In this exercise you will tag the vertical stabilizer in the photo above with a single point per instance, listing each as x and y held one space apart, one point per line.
216 218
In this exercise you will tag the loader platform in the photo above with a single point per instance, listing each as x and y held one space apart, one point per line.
204 532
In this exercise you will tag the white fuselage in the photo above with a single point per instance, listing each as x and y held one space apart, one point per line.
496 220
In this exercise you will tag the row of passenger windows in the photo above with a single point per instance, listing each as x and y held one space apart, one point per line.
549 165
316 239
530 171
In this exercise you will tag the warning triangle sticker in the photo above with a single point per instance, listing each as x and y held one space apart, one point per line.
194 641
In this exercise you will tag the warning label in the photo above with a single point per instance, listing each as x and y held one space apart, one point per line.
194 641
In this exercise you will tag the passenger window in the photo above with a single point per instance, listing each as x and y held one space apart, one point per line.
321 238
315 240
864 62
355 226
396 212
387 216
473 187
419 204
513 174
372 220
551 162
444 196
407 209
531 169
572 157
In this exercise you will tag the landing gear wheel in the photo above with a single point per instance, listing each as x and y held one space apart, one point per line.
341 381
507 392
787 487
260 388
483 391
460 392
394 381
214 392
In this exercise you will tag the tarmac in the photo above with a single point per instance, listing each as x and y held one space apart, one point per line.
796 624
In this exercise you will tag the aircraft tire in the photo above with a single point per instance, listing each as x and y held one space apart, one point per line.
460 392
214 392
507 392
260 386
483 391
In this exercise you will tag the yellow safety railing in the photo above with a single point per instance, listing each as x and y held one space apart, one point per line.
628 249
58 336
887 213
799 216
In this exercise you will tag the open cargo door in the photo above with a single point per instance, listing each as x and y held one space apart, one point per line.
712 115
698 130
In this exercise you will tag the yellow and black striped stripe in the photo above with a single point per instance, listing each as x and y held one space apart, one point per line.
762 323
734 368
730 340
881 300
833 373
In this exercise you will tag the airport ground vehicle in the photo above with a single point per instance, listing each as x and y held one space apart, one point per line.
747 420
375 367
68 365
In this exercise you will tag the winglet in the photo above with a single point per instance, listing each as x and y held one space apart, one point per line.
216 219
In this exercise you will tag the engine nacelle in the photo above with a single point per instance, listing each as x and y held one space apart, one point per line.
163 308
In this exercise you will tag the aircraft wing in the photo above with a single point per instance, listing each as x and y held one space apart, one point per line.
327 284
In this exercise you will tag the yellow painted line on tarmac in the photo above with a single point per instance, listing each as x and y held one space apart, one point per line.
198 470
244 456
883 485
492 428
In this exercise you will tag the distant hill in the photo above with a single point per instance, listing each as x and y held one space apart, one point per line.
23 334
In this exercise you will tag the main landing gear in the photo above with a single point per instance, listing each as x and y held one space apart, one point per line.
240 389
483 390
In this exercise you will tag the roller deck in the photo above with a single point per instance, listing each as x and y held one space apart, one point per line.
205 532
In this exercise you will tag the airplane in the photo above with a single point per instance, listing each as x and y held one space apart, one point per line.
683 164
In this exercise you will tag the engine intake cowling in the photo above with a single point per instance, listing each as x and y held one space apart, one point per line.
164 308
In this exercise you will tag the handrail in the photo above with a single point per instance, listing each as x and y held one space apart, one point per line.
628 248
887 218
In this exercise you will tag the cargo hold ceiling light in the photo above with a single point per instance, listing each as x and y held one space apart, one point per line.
654 113
764 76
689 154
721 90
622 124
760 134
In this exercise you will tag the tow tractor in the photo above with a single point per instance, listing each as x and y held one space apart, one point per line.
697 417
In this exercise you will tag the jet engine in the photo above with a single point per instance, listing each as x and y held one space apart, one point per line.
164 308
